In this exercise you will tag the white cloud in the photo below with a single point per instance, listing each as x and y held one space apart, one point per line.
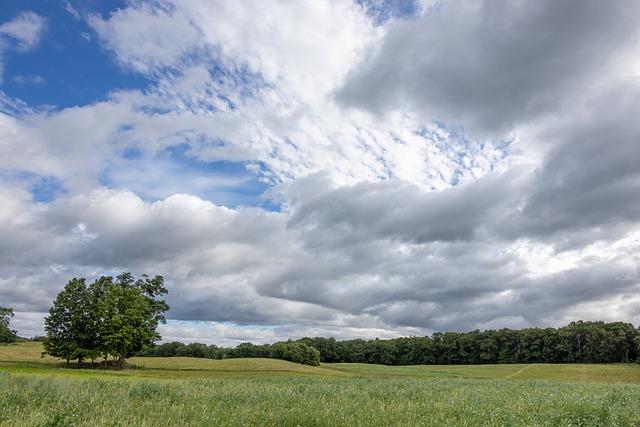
25 29
22 33
163 38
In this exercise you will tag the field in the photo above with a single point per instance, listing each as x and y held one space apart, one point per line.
37 391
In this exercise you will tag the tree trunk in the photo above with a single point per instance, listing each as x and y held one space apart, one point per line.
120 362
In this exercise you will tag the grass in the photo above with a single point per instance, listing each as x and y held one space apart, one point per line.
581 373
264 392
26 357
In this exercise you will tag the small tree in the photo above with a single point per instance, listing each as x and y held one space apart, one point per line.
116 317
6 335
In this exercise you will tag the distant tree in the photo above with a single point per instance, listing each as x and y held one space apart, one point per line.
488 347
326 346
624 345
168 349
6 335
116 317
194 349
418 351
247 349
578 342
296 352
214 352
381 352
352 351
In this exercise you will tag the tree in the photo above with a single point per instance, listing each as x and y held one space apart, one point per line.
296 352
71 325
381 352
194 349
326 346
116 317
6 335
128 313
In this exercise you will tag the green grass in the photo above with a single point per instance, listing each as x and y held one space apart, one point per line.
264 392
618 373
51 400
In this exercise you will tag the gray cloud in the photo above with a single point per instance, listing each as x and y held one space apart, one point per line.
398 210
319 265
587 186
491 65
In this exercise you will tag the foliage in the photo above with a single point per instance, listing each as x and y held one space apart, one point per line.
247 349
296 352
116 317
578 342
6 335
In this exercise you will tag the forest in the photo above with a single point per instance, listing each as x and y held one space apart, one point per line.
578 342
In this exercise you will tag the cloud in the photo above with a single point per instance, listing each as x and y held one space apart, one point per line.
318 267
471 165
22 33
490 65
163 37
72 145
401 211
25 30
585 188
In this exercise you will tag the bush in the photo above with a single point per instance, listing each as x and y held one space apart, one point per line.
296 352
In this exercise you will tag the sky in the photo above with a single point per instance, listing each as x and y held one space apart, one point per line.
366 169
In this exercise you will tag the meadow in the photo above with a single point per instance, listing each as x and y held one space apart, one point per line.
39 391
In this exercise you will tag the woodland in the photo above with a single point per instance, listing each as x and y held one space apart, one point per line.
578 342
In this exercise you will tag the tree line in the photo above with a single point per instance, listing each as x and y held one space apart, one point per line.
293 351
578 342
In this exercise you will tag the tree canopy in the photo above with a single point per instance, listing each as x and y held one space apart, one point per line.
578 342
116 317
296 352
6 335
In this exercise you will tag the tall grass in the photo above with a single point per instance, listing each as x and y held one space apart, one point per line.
264 392
53 400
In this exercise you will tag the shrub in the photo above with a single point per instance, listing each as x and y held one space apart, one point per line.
296 352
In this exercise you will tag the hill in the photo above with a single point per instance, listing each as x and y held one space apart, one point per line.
26 357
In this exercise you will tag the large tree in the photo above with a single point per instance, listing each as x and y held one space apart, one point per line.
6 334
114 317
71 324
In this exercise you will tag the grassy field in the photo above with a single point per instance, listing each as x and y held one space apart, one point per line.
38 391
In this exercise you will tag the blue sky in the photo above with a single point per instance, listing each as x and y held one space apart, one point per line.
70 68
67 68
354 169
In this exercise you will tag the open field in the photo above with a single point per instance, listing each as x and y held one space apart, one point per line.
264 392
619 373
